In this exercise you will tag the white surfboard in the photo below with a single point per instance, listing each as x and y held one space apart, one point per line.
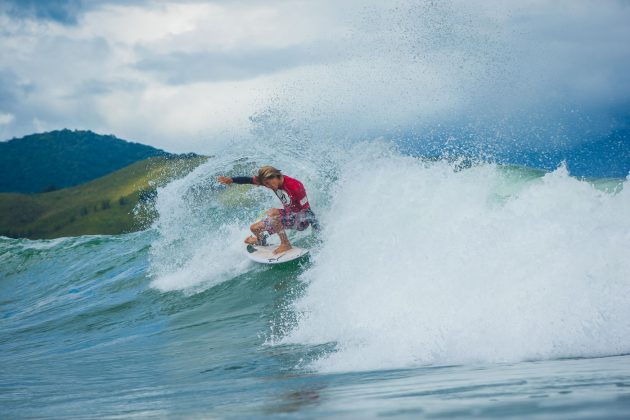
264 254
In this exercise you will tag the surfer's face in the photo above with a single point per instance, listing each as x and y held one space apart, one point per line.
273 183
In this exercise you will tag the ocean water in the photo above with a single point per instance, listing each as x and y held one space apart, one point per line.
435 289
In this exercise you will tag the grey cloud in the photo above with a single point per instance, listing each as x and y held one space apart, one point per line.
14 94
532 65
97 87
181 68
52 88
63 11
12 90
66 12
8 82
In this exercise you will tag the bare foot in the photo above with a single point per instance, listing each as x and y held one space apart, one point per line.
251 240
282 248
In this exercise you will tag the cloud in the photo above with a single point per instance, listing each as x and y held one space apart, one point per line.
6 118
183 68
112 67
63 11
184 75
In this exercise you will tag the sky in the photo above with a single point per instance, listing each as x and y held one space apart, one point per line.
194 75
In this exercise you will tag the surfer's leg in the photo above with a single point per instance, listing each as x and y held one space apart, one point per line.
275 219
258 229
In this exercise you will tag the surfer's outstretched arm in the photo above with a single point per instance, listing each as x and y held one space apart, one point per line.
237 180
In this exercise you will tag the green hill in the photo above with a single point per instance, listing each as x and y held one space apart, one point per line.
102 206
64 158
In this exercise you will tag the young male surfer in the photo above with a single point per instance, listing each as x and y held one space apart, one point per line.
295 214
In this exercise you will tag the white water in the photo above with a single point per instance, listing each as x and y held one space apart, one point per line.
421 264
201 225
195 248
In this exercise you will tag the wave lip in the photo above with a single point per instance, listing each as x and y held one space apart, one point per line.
423 265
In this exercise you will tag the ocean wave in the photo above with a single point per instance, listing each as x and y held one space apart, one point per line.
425 264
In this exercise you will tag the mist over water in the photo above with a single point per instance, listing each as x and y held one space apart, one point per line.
424 265
496 81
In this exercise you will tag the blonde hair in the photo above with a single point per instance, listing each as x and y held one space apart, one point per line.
267 172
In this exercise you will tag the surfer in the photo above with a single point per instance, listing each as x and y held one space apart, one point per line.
295 214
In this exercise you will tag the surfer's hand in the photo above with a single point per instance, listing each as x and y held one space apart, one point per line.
224 180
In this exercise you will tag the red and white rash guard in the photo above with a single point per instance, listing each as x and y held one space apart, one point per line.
292 194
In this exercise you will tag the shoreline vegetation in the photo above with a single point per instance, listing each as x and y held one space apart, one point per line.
65 158
119 202
77 182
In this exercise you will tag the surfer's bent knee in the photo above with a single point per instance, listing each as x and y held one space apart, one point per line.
257 226
273 212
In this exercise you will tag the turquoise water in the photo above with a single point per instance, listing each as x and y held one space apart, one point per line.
447 317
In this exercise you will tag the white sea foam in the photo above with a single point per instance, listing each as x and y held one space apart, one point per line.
423 264
196 247
201 225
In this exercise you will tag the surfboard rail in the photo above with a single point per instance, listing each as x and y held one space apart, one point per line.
264 254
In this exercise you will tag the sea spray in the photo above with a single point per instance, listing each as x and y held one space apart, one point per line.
424 264
201 224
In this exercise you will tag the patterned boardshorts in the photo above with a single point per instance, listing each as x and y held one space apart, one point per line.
290 220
